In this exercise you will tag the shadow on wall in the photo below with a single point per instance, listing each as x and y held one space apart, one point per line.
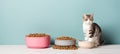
107 36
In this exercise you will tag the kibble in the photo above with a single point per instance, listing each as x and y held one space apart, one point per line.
37 35
73 47
65 38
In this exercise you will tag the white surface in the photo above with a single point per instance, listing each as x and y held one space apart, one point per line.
22 49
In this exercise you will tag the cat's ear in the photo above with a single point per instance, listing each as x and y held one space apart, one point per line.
84 15
92 15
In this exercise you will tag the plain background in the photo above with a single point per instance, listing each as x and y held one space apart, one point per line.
57 18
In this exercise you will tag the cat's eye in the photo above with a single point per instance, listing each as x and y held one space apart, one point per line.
86 19
91 19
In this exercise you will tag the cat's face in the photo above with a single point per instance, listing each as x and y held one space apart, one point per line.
88 18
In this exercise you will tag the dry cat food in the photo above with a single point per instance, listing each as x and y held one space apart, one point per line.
72 47
37 35
65 38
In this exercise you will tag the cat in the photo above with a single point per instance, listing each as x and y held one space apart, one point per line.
92 31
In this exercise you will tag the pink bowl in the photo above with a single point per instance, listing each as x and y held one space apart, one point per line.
37 42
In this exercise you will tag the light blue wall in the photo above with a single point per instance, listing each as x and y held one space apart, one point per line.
56 17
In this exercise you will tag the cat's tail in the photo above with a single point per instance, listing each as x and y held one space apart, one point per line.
85 44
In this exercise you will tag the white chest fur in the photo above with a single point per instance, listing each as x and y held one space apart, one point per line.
86 28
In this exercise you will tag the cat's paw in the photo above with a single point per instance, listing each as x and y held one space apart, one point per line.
96 44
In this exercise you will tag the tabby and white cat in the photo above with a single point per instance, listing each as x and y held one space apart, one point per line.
92 31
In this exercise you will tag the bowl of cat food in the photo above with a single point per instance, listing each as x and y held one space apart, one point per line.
65 43
36 40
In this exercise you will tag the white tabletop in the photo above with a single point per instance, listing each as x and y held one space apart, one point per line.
22 49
